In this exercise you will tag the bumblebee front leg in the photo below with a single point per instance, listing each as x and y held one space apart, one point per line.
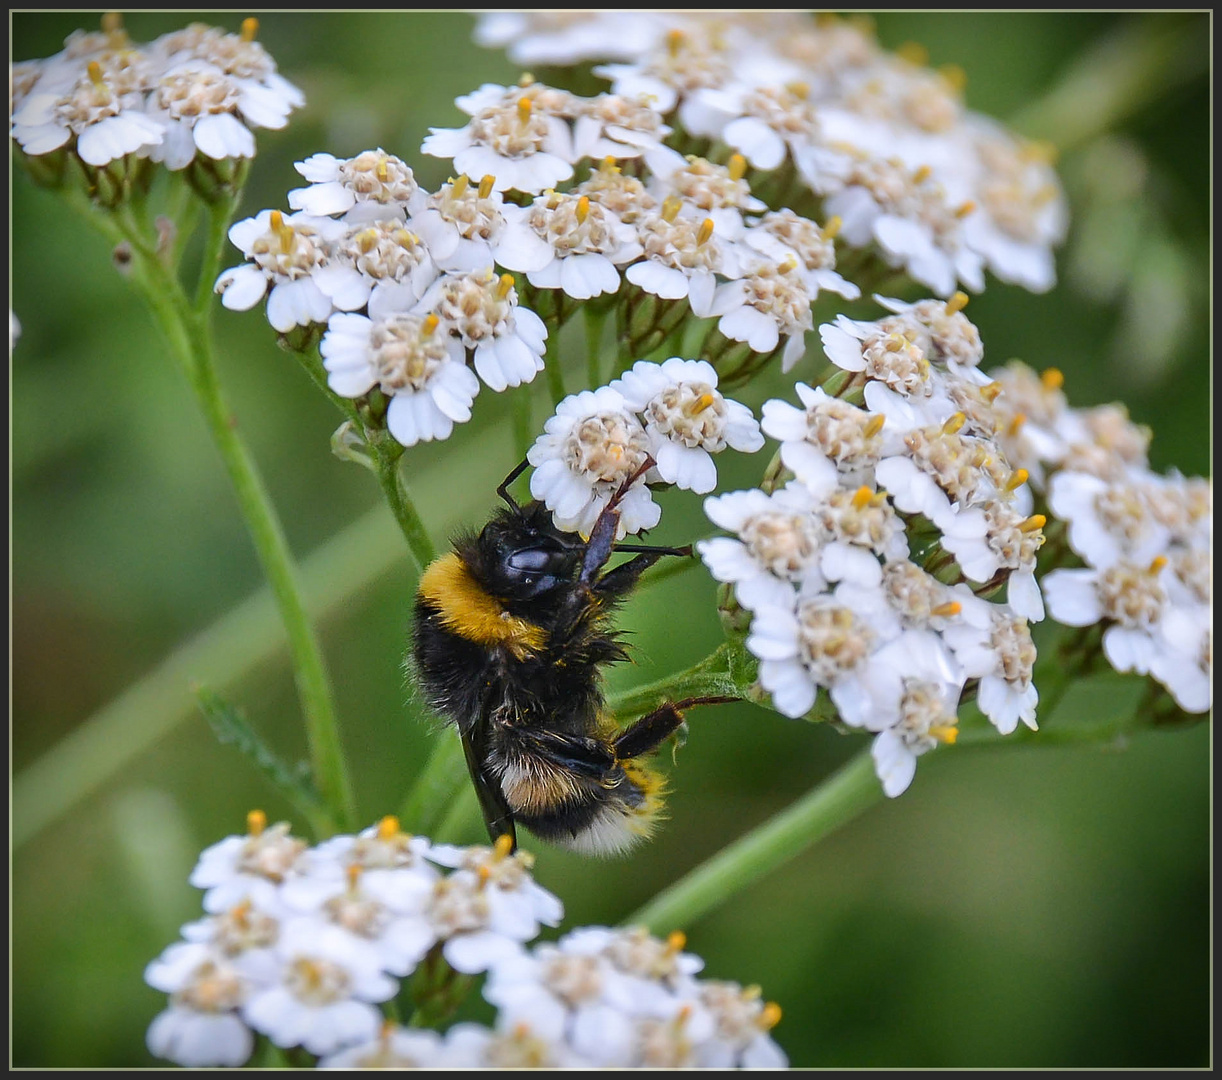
602 536
653 729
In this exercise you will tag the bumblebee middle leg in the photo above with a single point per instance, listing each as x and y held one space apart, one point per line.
653 729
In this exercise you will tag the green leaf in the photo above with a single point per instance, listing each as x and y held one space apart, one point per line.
232 729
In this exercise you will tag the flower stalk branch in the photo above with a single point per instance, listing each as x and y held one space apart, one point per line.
189 332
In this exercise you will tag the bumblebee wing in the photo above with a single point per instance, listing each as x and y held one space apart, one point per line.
497 816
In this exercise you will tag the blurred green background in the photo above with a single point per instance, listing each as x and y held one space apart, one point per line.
1031 908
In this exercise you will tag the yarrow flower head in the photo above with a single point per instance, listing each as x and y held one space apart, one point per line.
822 562
686 419
198 89
420 368
372 185
656 424
519 135
481 309
103 109
289 262
592 445
587 242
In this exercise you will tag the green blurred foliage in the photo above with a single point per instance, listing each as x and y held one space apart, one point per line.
1030 908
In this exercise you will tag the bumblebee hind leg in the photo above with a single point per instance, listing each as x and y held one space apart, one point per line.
630 809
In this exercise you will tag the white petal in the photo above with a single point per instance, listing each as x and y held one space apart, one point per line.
841 348
296 303
756 141
663 281
116 136
894 763
223 135
241 287
331 197
1071 597
793 694
752 326
584 276
687 467
318 168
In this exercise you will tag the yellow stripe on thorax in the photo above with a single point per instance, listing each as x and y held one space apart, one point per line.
467 610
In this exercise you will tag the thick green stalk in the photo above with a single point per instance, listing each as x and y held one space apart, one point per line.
555 377
103 745
220 215
523 423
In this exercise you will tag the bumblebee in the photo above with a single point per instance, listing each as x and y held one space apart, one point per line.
510 638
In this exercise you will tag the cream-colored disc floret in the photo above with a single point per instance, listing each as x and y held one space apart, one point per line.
783 543
406 351
317 982
212 988
832 640
607 446
692 413
288 250
848 436
376 176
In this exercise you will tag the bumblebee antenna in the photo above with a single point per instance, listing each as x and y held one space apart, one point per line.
503 490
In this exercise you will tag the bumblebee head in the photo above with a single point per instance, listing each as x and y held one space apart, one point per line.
523 557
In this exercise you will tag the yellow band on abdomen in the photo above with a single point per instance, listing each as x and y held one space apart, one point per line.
468 611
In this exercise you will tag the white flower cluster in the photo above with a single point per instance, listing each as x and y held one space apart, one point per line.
679 227
941 191
193 90
302 944
826 564
405 282
1146 539
671 414
597 998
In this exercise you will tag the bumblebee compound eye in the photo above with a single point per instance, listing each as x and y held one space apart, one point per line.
536 560
532 571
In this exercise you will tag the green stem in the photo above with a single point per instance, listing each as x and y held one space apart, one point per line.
386 455
836 801
102 747
390 477
523 423
189 333
551 366
595 318
728 671
313 687
220 214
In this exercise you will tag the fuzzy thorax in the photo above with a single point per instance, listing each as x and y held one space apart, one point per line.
467 610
